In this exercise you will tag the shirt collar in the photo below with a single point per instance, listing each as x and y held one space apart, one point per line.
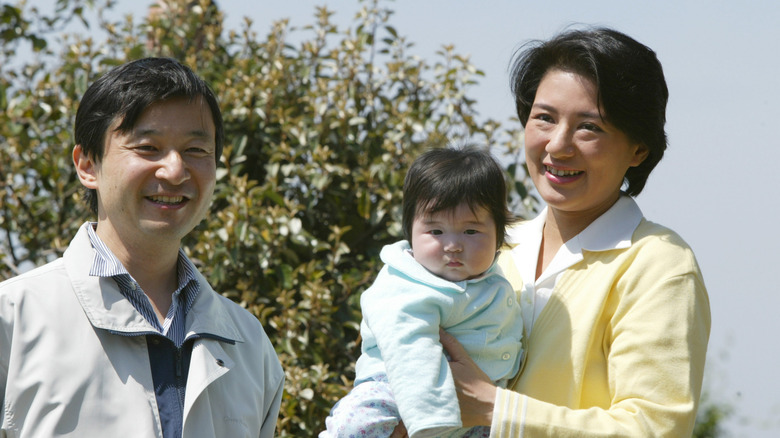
614 228
611 230
106 264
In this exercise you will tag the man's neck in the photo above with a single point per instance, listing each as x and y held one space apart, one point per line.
153 265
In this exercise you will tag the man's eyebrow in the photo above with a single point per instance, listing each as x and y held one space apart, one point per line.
197 133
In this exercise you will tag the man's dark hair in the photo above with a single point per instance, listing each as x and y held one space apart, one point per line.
125 92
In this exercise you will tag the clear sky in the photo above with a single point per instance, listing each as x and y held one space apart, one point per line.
721 60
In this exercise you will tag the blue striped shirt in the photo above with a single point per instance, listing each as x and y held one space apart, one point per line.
169 361
106 264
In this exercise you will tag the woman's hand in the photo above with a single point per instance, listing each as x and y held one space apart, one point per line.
400 431
476 392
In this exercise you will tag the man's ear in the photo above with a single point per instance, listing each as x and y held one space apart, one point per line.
85 168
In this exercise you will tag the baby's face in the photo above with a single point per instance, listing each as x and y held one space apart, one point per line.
457 244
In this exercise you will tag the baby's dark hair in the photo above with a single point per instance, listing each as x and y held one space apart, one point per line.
441 179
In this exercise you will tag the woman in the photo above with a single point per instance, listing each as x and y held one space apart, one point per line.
616 313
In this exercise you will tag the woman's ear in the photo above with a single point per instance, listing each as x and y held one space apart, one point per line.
85 168
640 154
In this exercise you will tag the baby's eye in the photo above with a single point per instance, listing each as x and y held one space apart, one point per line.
471 231
435 232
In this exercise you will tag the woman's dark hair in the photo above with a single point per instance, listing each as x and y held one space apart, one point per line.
442 179
125 92
627 74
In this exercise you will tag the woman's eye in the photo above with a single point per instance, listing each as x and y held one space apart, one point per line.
542 117
591 127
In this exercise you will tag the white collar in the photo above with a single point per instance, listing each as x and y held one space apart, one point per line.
612 230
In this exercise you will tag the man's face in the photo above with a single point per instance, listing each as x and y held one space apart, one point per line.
154 183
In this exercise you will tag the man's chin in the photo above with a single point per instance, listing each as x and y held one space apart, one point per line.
166 230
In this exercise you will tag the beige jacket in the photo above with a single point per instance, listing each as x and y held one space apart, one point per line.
74 361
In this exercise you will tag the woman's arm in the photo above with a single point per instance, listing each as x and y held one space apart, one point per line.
476 393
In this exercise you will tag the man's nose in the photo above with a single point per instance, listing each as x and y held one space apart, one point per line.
173 168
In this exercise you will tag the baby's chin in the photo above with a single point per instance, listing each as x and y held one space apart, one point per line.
452 275
455 277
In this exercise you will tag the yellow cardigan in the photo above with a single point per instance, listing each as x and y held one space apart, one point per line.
619 348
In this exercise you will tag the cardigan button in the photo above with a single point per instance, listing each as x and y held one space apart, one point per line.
506 356
510 302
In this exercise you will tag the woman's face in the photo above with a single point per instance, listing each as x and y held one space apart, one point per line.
576 159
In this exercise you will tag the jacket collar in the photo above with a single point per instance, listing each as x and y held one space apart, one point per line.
107 309
398 256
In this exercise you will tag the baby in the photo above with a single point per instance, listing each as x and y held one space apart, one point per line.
443 275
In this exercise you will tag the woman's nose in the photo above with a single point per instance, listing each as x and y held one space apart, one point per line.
561 143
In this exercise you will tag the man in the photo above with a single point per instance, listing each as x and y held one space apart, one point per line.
122 336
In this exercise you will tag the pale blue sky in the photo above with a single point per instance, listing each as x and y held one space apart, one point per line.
721 60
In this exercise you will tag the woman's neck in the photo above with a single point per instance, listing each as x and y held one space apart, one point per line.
560 227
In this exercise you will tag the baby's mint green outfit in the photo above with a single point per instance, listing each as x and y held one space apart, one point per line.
402 313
